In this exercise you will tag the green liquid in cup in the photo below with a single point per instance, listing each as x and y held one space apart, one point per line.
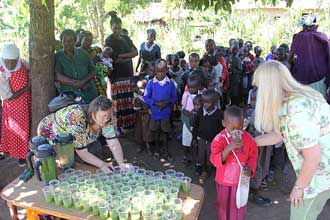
58 200
49 198
104 213
135 215
114 215
87 207
67 203
185 188
95 210
78 205
123 214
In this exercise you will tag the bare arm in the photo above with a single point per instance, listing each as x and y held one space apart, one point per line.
90 158
133 53
116 150
312 159
138 64
271 138
64 80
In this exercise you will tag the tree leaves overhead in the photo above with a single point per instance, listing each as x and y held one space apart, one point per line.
223 4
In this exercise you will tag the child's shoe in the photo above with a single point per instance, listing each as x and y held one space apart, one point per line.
168 157
156 156
198 170
203 177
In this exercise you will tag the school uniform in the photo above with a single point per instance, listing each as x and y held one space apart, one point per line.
206 125
157 91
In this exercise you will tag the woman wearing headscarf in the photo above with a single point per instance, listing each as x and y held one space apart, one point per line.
149 50
16 103
310 56
122 74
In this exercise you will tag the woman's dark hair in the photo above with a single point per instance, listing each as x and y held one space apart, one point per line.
114 18
100 103
67 32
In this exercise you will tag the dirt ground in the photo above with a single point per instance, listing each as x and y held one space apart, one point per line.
279 210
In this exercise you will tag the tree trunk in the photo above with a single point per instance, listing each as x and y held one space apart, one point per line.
95 19
41 43
100 8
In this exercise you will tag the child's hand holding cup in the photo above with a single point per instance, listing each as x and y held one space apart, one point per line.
237 138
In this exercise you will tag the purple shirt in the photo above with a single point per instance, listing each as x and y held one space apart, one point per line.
313 57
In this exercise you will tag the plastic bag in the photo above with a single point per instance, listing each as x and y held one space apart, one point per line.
242 193
63 100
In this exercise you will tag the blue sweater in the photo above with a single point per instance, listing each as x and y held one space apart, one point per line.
156 93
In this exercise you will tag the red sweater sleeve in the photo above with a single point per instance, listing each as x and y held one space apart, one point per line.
253 155
217 146
225 74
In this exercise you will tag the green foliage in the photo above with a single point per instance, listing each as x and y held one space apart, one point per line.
69 14
187 33
14 23
225 5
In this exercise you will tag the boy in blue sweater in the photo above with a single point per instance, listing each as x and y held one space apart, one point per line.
160 95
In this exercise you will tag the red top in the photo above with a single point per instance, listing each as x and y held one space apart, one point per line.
225 73
228 173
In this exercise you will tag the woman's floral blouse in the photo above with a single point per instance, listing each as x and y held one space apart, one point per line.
72 119
305 123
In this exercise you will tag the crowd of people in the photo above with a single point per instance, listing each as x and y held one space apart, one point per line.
235 106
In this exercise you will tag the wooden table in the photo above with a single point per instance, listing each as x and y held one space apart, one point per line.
29 195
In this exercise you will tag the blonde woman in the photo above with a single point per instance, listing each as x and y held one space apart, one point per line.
298 115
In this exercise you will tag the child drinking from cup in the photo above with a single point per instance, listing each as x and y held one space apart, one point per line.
230 143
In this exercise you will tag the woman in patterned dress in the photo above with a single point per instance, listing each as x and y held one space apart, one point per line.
86 124
122 85
298 115
16 108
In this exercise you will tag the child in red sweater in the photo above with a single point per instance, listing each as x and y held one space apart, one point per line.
227 167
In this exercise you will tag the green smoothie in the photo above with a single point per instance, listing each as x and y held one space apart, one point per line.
104 213
95 208
49 198
67 202
58 199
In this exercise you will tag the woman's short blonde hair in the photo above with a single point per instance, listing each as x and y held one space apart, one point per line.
275 85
